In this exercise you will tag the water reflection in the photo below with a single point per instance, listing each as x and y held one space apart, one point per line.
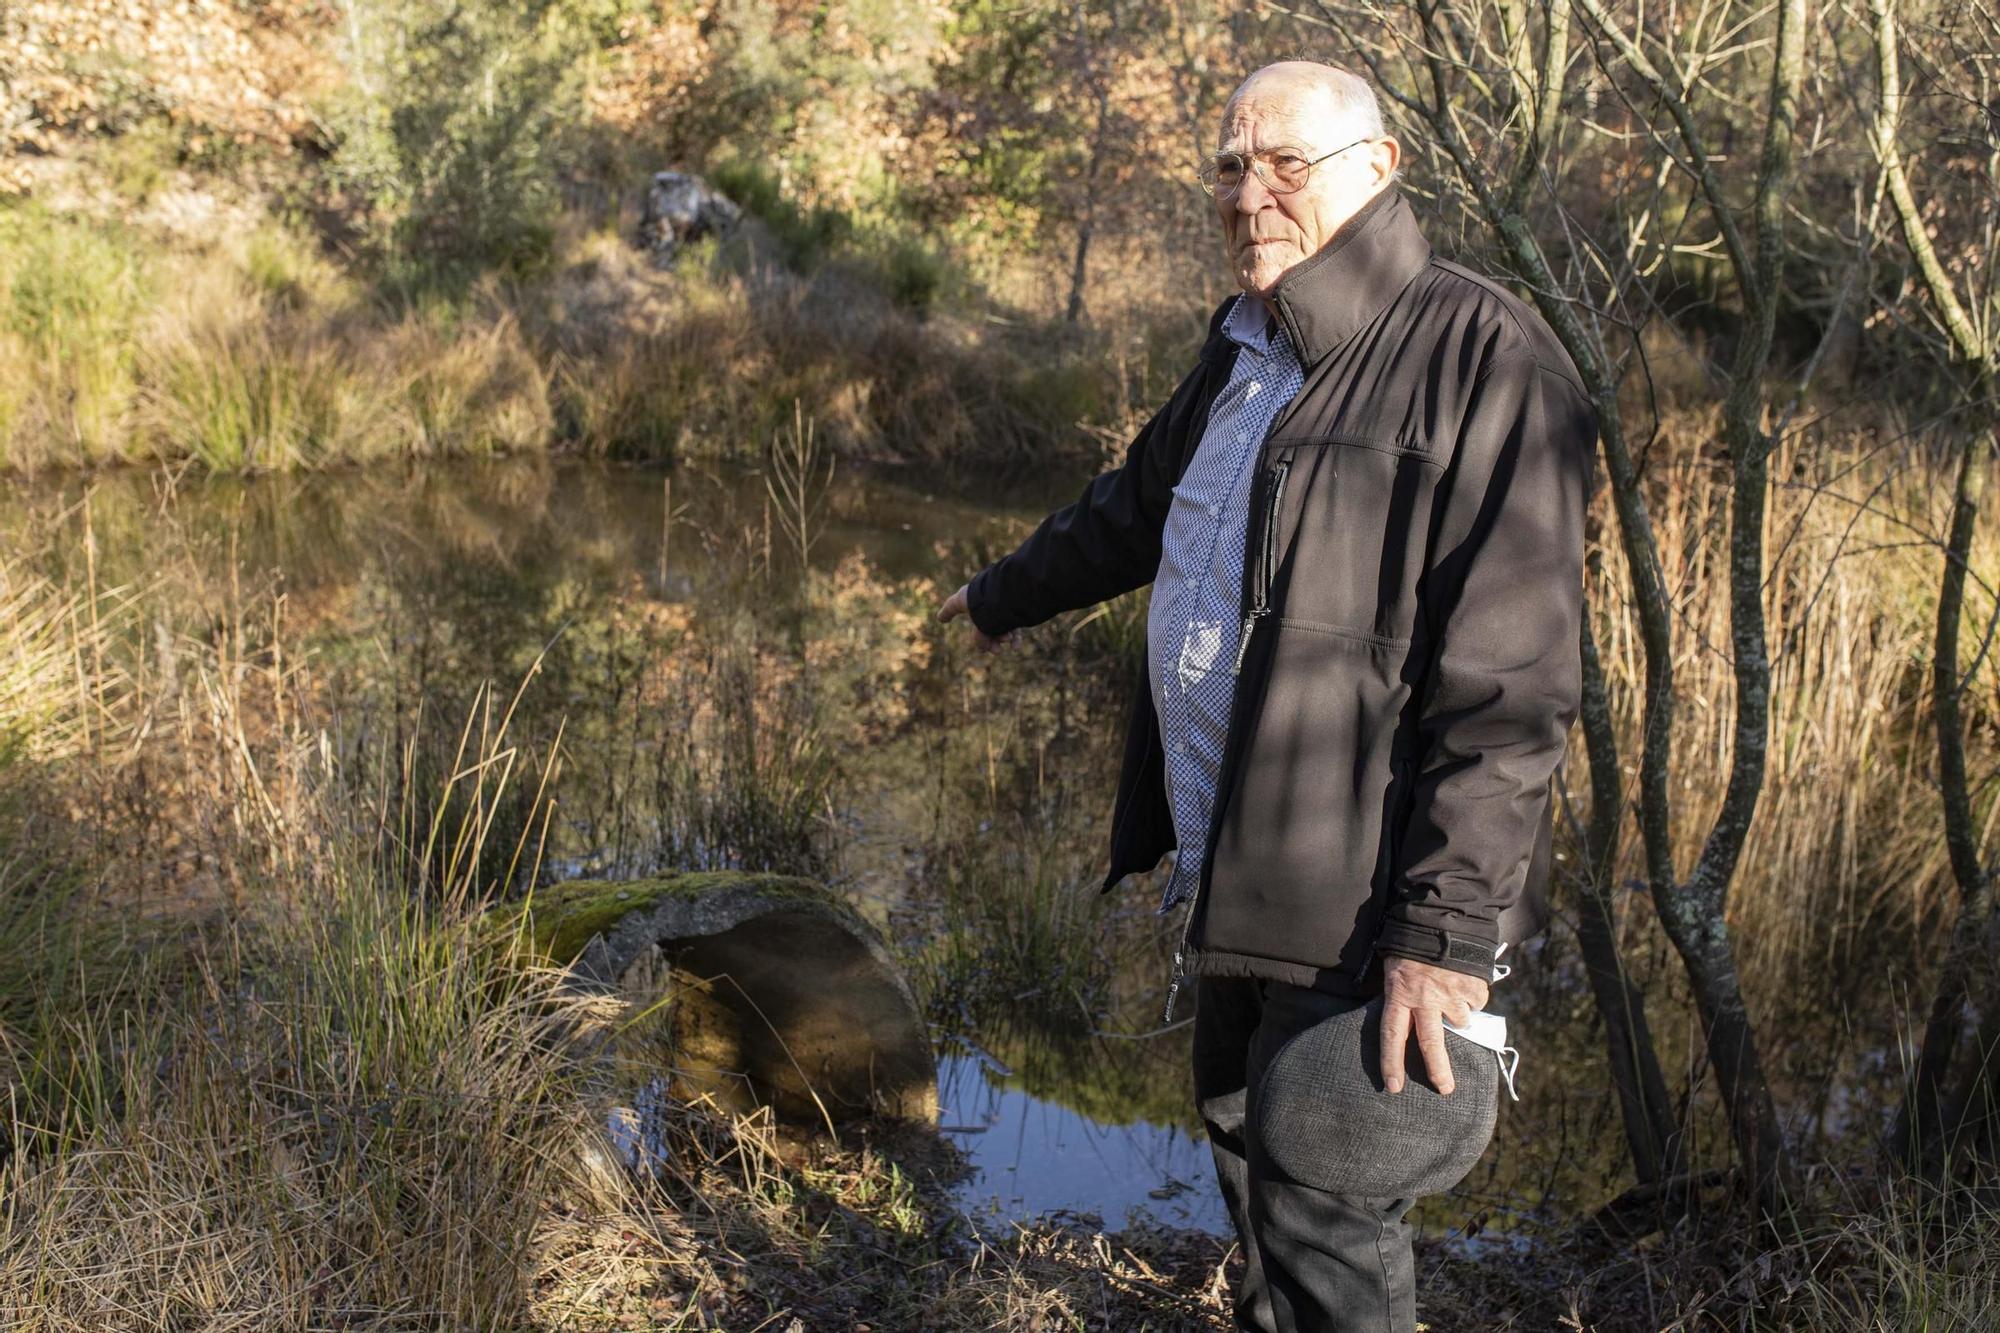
1034 1158
717 700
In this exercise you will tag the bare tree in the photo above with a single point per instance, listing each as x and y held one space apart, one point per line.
1965 310
1090 60
1694 910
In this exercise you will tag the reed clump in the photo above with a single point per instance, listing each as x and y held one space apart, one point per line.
250 353
325 1105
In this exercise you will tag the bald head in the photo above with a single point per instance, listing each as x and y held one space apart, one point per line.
1312 121
1341 105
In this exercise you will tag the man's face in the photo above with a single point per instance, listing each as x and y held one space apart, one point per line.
1266 233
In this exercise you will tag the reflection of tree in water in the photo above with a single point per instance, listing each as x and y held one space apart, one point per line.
1111 1078
1014 943
716 709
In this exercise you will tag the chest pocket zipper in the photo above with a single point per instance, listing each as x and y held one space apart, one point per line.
1267 560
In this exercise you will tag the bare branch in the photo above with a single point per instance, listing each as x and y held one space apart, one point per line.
1683 117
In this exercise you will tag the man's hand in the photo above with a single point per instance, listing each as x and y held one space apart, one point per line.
955 606
1419 996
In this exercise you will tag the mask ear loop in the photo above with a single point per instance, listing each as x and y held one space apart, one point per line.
1508 1067
1501 972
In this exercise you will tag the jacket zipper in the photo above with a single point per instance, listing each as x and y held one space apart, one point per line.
1266 565
1263 541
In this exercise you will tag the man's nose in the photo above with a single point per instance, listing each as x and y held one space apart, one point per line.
1252 194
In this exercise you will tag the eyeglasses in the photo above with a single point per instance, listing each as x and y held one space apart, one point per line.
1284 170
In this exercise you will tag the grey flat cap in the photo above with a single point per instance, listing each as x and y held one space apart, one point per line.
1323 1117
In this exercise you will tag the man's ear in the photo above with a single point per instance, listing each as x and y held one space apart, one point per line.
1385 155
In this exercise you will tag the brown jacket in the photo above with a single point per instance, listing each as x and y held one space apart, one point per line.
1412 602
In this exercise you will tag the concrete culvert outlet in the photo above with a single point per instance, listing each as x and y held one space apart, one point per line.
781 994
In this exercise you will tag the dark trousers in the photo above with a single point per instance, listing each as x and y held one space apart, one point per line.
1315 1262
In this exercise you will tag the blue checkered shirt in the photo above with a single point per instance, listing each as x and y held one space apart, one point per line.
1197 603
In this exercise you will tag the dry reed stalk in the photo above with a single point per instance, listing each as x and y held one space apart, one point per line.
1845 844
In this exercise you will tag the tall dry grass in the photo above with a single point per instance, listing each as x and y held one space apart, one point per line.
1845 864
250 350
247 351
1908 1259
328 1107
52 655
317 1096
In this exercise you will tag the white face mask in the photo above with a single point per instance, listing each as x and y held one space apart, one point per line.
1490 1031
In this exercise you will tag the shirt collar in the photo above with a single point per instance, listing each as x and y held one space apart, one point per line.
1330 296
1249 325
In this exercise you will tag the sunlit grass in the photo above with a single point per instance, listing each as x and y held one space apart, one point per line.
252 349
350 1114
73 294
235 405
251 353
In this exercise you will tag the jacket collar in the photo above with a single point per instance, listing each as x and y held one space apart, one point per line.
1329 297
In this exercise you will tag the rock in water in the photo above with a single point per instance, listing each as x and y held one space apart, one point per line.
787 985
681 207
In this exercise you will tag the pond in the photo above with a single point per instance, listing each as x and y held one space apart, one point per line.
734 672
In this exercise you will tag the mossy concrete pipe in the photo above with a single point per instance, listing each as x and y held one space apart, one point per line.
800 993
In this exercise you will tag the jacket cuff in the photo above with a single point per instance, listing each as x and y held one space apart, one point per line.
1469 954
980 605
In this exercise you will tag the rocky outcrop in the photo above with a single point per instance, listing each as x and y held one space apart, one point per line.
774 979
679 208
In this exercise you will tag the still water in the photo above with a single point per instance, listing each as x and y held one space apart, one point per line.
733 675
1036 1156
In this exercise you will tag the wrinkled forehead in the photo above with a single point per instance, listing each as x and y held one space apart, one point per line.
1269 114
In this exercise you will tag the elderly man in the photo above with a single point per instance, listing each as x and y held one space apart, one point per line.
1362 516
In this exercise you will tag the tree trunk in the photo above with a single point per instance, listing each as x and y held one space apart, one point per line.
1651 1132
1699 935
1087 225
1695 913
1920 1126
1080 265
1925 1128
1972 1116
